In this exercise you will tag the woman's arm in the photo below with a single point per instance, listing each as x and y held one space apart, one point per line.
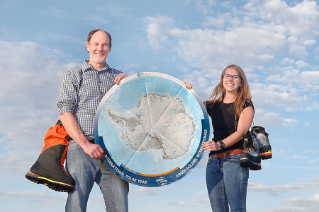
244 123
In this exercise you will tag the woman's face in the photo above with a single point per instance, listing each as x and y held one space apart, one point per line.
231 80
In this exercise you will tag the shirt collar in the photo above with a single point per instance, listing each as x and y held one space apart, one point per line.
86 65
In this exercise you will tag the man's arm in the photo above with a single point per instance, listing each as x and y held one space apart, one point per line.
75 132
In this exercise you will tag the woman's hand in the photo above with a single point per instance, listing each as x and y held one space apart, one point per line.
211 146
188 85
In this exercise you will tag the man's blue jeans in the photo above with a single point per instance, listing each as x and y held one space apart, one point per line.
85 172
227 184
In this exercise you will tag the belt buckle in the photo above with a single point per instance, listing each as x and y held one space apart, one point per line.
226 155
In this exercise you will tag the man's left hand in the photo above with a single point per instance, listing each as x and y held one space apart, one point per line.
119 77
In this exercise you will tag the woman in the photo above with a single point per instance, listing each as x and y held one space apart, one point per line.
232 113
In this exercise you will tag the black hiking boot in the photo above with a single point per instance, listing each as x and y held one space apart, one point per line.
263 142
49 170
251 160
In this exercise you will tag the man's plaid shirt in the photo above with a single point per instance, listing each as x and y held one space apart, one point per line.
81 90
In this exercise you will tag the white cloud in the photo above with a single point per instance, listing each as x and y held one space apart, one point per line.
114 9
295 204
16 163
145 191
277 189
298 21
272 119
203 48
39 198
149 191
310 42
156 30
302 64
154 68
299 157
287 61
171 203
128 67
226 4
310 80
44 37
273 94
294 82
203 6
182 204
242 40
247 43
30 75
314 160
298 50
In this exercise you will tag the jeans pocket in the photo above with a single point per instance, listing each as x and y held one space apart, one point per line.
234 158
73 145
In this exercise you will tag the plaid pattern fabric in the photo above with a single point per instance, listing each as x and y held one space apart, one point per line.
81 90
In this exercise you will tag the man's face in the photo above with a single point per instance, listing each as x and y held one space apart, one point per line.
98 47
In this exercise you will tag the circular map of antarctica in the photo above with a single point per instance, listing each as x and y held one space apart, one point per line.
151 128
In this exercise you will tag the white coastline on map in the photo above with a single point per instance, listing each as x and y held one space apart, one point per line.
161 122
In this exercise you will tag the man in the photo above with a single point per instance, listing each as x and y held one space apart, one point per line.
80 91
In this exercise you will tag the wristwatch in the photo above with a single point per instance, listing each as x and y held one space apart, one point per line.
222 145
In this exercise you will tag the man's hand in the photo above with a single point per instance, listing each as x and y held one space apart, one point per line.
119 77
188 85
94 151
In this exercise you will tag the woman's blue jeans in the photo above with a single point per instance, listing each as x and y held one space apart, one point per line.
227 184
85 171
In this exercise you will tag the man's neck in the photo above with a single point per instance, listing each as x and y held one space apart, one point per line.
95 65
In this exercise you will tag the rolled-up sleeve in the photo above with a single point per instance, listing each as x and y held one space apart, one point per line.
68 92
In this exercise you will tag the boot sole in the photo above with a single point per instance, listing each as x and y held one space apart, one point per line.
266 155
255 167
54 185
245 162
265 152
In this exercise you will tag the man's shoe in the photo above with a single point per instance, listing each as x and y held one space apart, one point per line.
48 169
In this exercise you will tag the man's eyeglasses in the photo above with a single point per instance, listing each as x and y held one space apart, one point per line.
228 76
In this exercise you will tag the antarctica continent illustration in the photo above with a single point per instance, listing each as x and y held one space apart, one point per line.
151 128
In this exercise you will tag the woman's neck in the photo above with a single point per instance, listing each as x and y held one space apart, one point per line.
229 97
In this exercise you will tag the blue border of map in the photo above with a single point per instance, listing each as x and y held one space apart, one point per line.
162 177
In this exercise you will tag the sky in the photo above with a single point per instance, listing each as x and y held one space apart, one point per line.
274 41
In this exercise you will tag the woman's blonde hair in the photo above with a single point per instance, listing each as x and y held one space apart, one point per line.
243 93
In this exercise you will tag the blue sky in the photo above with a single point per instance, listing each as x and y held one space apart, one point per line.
274 41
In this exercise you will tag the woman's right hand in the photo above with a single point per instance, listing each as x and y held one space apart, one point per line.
211 146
